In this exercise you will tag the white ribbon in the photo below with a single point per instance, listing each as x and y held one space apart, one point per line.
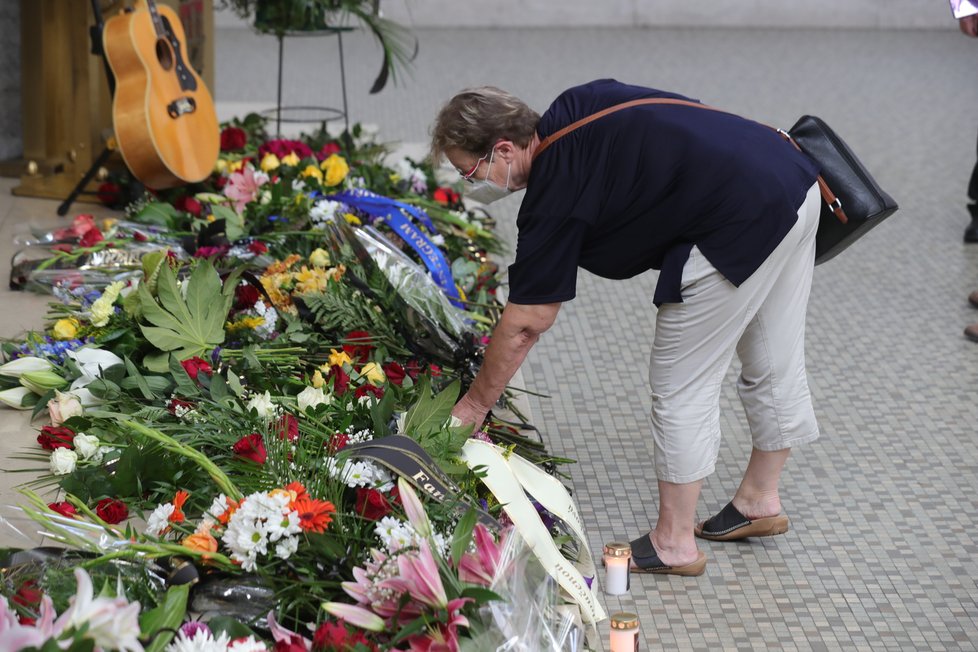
510 478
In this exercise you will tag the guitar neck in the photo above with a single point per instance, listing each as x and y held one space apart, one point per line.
157 21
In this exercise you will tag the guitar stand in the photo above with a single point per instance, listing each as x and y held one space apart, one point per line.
95 33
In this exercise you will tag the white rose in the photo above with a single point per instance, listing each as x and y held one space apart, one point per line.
63 461
86 445
262 404
310 397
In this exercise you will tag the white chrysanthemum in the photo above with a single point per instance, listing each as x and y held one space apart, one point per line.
218 507
286 547
159 520
325 210
201 641
286 525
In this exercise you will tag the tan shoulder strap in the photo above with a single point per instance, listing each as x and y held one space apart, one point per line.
827 193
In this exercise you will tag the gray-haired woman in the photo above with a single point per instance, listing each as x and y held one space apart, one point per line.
724 208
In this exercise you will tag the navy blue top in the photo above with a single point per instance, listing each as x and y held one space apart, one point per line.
636 189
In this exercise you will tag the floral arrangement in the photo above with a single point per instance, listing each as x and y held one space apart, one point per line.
216 405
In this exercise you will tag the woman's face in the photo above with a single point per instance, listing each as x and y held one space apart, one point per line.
504 159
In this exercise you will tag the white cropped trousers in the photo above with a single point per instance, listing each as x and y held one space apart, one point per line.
764 321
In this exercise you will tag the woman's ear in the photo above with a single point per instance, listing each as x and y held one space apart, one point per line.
506 150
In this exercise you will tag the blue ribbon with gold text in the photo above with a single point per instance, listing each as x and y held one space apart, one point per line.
392 212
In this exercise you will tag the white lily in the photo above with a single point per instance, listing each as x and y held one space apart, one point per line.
15 368
91 363
17 398
113 623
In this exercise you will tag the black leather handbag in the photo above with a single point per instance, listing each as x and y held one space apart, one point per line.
860 204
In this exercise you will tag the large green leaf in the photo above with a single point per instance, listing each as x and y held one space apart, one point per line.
161 622
187 327
430 414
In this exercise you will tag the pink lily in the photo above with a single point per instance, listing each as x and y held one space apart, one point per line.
368 592
442 637
413 508
419 577
286 636
243 186
482 567
14 636
355 615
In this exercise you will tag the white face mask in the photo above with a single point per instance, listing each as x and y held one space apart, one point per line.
485 191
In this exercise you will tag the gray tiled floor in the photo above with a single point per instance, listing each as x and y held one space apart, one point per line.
881 554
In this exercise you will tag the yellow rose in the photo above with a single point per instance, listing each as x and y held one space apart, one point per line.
313 171
269 162
352 219
65 329
291 159
319 258
339 358
373 373
335 168
317 379
234 166
220 166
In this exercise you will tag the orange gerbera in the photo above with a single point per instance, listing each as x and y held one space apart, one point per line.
178 500
232 507
314 515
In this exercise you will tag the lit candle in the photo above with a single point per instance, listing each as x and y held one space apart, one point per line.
617 557
624 632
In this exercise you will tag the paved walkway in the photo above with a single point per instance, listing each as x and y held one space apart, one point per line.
882 553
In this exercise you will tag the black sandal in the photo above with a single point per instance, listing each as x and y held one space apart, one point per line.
646 560
730 525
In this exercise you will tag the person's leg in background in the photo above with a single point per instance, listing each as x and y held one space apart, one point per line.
971 232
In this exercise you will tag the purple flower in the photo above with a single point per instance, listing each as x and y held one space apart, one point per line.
190 629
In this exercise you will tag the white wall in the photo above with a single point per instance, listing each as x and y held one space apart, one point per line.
645 13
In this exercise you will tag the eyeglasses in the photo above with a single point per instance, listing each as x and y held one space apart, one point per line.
467 176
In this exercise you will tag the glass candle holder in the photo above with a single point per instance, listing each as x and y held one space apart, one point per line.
617 559
624 632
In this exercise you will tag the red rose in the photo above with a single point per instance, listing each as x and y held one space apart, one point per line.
53 437
337 442
245 296
139 236
196 365
363 390
341 380
293 644
446 196
251 447
282 148
328 150
64 508
372 504
190 205
175 405
413 369
257 247
28 595
359 346
288 426
233 139
434 370
91 238
109 193
111 510
395 373
334 637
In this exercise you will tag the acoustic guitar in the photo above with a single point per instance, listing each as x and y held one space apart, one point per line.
164 117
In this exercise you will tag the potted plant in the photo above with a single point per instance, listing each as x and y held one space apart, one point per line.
283 17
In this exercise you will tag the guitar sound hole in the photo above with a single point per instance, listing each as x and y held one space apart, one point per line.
164 54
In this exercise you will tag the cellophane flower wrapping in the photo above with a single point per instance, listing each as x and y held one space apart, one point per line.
531 617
